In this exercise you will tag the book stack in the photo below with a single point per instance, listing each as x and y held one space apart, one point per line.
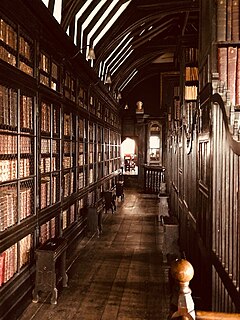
8 144
25 144
25 202
228 20
8 264
8 106
45 117
47 231
26 105
191 92
67 125
229 71
191 74
45 192
25 169
8 170
25 246
8 208
64 219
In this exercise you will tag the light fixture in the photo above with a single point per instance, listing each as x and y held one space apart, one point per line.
90 55
119 96
126 107
108 78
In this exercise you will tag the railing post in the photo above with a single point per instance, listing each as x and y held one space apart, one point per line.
182 272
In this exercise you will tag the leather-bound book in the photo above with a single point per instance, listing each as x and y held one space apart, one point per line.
222 65
221 20
232 72
235 20
229 20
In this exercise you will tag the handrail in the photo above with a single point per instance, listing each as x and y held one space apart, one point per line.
182 272
235 145
209 315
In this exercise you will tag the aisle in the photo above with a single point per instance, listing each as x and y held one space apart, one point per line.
120 275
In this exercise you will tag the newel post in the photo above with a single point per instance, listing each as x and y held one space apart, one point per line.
182 272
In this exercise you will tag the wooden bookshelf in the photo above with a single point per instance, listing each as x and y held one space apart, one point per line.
59 149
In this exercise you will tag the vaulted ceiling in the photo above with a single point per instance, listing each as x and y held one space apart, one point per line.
132 39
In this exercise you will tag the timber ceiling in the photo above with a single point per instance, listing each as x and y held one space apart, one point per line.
144 37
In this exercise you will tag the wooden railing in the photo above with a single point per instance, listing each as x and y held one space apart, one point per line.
153 176
182 272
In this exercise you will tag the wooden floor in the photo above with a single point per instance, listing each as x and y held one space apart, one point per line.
120 275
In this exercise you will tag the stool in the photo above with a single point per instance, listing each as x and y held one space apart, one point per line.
46 277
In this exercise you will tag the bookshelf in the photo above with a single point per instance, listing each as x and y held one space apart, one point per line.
59 149
48 72
69 154
49 154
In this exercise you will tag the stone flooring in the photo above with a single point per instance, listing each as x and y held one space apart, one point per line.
120 275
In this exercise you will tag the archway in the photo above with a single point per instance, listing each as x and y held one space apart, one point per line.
129 156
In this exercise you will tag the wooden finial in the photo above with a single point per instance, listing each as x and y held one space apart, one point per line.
182 271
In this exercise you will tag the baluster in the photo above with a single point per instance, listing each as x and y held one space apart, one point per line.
182 272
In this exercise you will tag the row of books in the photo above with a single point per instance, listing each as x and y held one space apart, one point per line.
48 165
8 264
47 230
68 180
228 20
191 55
8 203
81 180
191 74
26 68
25 49
26 245
191 92
26 115
45 117
8 208
8 35
229 72
8 106
7 56
67 162
49 190
68 216
8 144
67 125
26 144
8 169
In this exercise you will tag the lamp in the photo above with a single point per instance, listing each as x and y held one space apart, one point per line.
90 55
108 78
119 96
126 107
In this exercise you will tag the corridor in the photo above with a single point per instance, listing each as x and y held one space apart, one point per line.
119 275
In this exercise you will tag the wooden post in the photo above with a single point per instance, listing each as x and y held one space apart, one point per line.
182 271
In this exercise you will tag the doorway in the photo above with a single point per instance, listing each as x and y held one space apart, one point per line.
129 157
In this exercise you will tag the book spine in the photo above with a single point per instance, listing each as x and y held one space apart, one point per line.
232 70
238 79
235 20
222 65
221 20
229 20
